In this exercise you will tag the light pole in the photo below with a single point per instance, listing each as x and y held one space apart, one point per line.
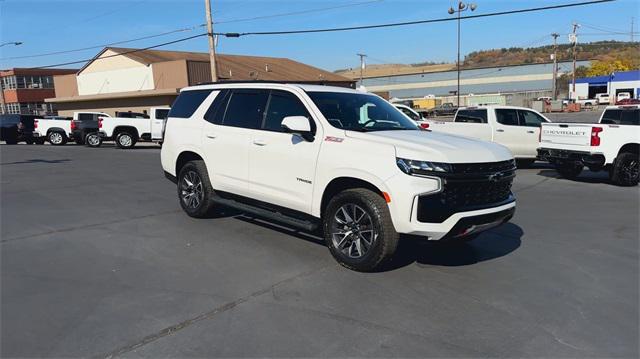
16 43
461 7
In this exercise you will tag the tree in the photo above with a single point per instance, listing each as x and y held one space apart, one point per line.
603 68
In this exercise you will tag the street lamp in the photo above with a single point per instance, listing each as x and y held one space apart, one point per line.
461 7
16 43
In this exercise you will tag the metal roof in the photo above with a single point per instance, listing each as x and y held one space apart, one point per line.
235 67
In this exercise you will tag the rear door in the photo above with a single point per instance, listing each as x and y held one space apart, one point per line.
157 122
230 124
281 165
509 133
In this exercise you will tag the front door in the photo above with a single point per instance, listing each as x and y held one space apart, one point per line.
532 122
157 122
282 165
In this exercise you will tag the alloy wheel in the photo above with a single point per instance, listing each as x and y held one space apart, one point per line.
352 231
630 170
125 140
93 140
55 138
191 192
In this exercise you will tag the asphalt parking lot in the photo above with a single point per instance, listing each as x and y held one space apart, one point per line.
97 259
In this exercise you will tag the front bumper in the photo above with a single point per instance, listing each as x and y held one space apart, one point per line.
408 218
555 156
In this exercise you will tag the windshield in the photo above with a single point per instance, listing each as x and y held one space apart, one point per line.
360 112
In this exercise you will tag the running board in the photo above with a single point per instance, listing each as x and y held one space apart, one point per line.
307 225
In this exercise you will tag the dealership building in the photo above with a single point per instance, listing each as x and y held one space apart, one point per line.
23 91
122 79
613 84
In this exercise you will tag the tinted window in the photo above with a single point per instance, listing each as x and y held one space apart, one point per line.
187 103
246 108
281 105
507 117
360 112
472 116
88 117
215 113
622 117
162 114
530 119
411 115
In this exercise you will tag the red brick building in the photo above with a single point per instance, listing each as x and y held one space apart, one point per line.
24 90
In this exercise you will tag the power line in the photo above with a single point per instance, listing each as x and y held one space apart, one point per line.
186 29
99 46
123 53
406 23
300 12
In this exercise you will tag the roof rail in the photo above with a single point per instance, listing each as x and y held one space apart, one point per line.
317 82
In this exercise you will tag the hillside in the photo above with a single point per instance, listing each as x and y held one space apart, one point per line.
601 50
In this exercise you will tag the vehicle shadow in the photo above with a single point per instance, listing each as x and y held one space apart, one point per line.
36 160
490 245
411 249
586 176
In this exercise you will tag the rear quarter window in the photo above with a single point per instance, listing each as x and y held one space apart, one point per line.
187 103
629 117
472 116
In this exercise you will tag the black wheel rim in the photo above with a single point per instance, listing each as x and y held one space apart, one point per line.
352 231
629 170
191 192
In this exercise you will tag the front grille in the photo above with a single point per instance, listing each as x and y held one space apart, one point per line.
470 187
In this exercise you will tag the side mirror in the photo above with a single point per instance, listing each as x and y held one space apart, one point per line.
298 125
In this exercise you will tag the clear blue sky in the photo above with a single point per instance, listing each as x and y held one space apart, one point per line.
55 25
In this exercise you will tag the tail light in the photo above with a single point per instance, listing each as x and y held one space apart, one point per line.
100 122
35 124
73 125
425 125
595 138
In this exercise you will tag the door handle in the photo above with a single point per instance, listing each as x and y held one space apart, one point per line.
531 131
499 130
211 136
259 142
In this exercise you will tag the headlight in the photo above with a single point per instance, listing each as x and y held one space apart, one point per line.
413 167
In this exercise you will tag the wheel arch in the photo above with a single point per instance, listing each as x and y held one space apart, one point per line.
56 129
630 147
339 184
184 157
129 129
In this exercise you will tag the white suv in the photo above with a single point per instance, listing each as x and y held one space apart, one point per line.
309 156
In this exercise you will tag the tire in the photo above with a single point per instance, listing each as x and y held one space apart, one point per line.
29 141
525 163
625 170
11 141
93 140
56 138
569 170
125 140
40 141
195 193
376 240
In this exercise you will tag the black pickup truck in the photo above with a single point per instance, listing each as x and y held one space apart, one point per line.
18 128
85 127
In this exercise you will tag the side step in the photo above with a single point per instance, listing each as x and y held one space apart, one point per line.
307 225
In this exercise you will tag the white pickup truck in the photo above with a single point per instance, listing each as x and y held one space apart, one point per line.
55 129
612 144
517 128
126 131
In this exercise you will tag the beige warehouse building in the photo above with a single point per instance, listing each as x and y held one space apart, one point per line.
122 79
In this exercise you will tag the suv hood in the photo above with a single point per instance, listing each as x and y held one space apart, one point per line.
437 147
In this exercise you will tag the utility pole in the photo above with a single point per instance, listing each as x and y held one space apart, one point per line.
554 85
362 56
460 8
574 39
212 45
